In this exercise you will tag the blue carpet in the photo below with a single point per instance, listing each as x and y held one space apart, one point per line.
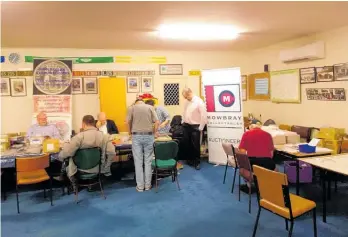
204 207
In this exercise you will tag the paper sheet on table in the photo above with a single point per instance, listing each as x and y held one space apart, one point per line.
314 142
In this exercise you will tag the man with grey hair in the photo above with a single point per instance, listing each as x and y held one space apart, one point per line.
43 128
143 125
194 121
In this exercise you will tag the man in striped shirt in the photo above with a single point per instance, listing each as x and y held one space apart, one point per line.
163 117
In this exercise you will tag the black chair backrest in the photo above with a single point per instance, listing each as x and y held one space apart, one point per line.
87 158
177 119
269 122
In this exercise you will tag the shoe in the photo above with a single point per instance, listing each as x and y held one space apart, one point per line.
179 166
198 167
59 178
148 188
139 190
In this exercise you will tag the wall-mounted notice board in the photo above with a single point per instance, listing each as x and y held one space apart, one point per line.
285 86
244 87
259 86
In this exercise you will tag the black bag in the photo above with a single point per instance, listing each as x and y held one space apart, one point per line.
176 128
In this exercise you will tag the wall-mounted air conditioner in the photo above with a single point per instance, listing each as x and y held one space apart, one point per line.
307 52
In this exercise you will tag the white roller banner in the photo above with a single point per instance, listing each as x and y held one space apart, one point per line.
223 93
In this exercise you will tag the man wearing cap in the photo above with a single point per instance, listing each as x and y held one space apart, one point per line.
143 125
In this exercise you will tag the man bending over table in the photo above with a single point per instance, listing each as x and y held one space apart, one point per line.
90 137
259 146
42 128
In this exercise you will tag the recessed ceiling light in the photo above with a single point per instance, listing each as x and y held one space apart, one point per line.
197 32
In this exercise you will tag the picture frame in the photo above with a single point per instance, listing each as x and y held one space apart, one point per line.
77 85
170 69
308 75
326 94
341 72
18 87
5 87
133 85
90 85
325 74
146 84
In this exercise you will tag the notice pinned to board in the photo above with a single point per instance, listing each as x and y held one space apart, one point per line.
261 86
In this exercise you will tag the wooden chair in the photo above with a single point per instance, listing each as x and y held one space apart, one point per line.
285 127
31 170
244 171
231 160
273 195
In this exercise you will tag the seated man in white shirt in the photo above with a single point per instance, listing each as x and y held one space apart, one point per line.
194 121
42 128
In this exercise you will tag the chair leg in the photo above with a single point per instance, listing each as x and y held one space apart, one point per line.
51 193
45 191
225 172
315 222
291 227
250 199
177 179
156 180
101 188
17 198
257 221
286 225
234 179
239 188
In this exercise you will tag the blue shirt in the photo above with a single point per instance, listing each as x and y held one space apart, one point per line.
163 115
49 130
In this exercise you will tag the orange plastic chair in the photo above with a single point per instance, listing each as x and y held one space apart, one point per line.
273 195
31 170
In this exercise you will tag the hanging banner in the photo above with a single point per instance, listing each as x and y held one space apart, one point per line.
140 59
52 92
224 108
30 59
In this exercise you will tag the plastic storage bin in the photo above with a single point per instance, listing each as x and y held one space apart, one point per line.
305 148
306 174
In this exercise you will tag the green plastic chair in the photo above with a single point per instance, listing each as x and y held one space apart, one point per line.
85 159
165 160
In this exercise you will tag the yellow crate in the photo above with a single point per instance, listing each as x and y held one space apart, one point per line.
334 145
331 133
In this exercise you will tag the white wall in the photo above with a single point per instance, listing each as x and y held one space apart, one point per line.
16 112
308 113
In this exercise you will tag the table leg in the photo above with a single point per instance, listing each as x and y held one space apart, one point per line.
324 193
297 177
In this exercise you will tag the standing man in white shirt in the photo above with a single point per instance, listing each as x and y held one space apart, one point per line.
194 121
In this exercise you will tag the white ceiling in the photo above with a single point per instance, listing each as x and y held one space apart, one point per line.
128 25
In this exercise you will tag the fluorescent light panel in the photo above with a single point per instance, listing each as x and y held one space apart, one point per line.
197 32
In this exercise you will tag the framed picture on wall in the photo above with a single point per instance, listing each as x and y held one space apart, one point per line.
76 85
341 72
325 74
308 75
244 87
170 69
90 85
5 87
18 87
133 85
146 84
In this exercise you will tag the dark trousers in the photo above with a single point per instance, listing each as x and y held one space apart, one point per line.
191 143
264 162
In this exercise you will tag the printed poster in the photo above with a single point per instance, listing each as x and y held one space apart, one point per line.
223 98
52 88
